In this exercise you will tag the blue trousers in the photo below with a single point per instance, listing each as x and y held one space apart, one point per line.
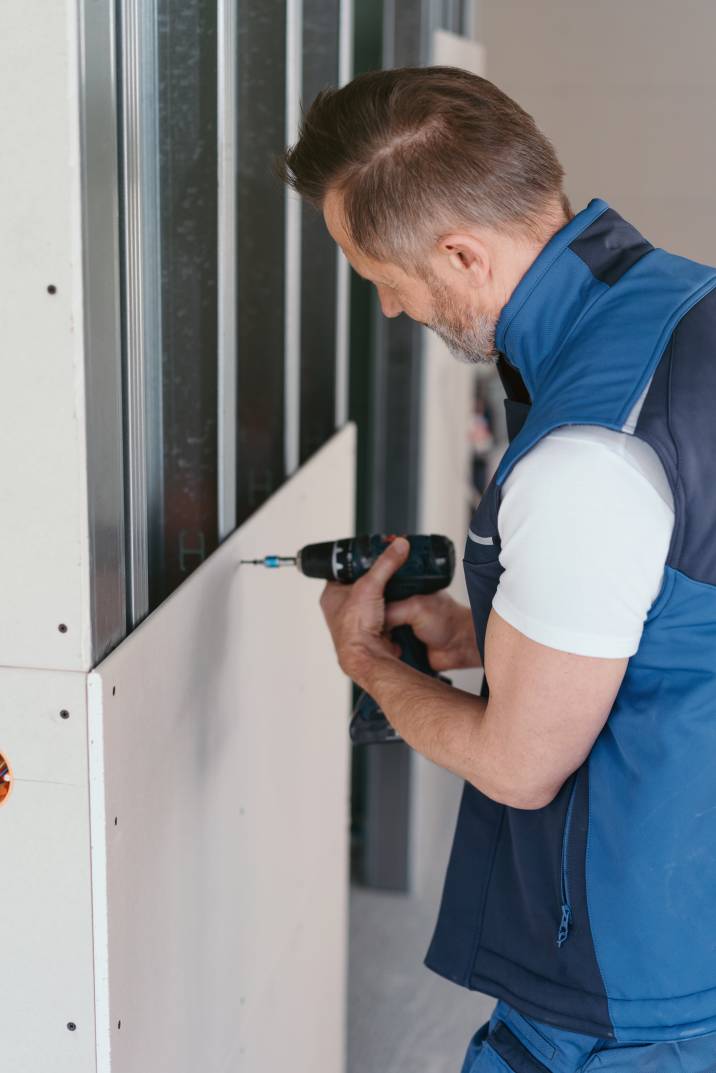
513 1043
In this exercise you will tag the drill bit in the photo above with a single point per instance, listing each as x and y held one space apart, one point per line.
271 561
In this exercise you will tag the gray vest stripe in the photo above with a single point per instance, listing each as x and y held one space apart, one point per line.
480 539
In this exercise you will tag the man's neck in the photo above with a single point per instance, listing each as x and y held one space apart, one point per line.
525 252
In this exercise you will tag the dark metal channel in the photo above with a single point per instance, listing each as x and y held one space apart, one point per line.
188 196
395 389
318 251
260 283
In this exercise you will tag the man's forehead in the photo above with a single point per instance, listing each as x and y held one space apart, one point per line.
333 215
365 266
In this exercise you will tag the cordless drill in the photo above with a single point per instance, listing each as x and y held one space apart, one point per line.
428 568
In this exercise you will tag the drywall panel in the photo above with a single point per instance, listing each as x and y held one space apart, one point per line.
625 92
444 508
44 545
46 980
448 388
219 763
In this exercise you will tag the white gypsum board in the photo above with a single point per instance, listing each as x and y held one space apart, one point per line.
46 982
220 744
44 548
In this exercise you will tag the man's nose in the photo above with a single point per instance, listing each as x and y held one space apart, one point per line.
389 303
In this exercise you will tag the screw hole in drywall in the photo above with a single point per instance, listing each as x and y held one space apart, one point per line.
71 1026
114 690
119 1024
5 780
62 628
51 288
115 821
64 714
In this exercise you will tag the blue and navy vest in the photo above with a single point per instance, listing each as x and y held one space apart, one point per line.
597 913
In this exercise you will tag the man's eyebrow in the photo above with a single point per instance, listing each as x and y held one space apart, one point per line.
370 279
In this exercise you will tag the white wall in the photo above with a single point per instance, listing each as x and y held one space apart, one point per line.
46 980
46 940
211 919
44 548
174 854
219 741
626 92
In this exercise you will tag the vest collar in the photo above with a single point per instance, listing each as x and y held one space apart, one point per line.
547 301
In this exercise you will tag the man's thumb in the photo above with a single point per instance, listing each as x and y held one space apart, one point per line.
387 563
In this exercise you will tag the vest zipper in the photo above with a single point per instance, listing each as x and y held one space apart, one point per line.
566 906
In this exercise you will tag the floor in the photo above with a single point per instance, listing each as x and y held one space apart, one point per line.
403 1018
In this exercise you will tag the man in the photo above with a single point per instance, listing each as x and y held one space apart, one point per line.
580 889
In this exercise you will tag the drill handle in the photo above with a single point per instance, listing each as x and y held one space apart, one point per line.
369 725
413 651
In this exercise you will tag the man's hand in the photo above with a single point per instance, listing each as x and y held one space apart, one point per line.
442 624
356 615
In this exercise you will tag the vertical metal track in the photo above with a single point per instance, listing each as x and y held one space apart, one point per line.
388 32
292 311
101 283
227 241
396 403
345 73
142 292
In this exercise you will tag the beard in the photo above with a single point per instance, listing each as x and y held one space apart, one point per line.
470 337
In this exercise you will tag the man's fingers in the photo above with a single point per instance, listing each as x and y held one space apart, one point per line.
402 613
332 591
386 565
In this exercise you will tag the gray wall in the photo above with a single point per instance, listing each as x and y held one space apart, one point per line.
626 92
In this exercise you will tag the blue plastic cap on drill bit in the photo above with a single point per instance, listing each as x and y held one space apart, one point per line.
271 560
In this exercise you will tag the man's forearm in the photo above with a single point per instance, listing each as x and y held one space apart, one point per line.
439 721
545 711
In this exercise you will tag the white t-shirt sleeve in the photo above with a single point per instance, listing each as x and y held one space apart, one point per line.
585 524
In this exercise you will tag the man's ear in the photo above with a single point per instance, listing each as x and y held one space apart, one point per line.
466 254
